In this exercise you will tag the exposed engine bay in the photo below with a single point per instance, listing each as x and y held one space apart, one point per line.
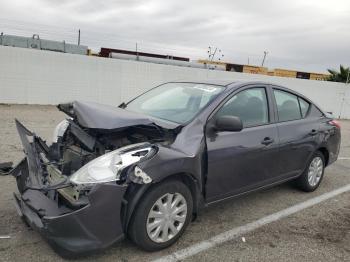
81 156
79 146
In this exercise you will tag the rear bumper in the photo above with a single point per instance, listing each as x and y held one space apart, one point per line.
333 147
94 226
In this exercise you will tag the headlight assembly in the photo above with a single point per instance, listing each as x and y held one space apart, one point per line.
60 130
108 167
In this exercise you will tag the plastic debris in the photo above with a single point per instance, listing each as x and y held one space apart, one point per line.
5 237
243 239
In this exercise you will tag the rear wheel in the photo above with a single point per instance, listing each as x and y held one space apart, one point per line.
162 216
313 174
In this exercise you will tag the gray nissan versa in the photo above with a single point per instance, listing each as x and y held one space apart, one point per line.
144 169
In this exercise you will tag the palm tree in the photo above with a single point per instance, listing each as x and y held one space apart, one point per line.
342 76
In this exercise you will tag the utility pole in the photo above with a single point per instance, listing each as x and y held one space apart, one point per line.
79 37
137 53
342 104
263 61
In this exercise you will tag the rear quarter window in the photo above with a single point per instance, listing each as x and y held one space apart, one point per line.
315 112
304 107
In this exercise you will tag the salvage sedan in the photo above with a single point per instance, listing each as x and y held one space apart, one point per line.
145 169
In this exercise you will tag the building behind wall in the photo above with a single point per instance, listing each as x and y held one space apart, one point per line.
251 69
35 42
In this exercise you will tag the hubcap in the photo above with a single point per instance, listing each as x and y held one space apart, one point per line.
166 217
315 171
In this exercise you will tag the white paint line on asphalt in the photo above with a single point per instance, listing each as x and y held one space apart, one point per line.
344 158
238 231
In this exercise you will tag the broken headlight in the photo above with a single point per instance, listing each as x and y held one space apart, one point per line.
107 168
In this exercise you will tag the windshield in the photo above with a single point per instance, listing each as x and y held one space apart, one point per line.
175 102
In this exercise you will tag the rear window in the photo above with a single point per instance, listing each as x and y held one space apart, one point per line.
287 106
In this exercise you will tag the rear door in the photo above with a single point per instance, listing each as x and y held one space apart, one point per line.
297 132
241 161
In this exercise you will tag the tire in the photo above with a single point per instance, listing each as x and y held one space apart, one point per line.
309 181
141 230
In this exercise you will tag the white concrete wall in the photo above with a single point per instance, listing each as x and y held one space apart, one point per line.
42 77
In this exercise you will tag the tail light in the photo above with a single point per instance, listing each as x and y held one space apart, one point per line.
335 123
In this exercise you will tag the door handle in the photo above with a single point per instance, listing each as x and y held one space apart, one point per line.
267 141
313 132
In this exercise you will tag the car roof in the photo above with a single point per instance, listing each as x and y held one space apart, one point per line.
234 84
222 82
218 82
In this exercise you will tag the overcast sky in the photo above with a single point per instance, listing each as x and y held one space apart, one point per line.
309 35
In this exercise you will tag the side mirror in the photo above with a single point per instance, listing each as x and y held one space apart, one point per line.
228 123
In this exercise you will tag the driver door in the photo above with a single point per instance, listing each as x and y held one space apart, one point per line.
244 160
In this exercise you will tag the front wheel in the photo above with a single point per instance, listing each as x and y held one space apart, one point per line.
162 216
311 178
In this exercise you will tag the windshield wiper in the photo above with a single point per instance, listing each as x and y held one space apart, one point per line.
122 105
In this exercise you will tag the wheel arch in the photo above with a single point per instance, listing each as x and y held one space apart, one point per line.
135 192
325 153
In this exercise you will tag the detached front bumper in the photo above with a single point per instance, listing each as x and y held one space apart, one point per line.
94 226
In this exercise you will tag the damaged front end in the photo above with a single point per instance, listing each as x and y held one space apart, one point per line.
73 191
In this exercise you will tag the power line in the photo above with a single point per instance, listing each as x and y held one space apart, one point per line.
91 37
95 39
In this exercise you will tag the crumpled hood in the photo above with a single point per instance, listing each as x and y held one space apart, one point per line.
99 116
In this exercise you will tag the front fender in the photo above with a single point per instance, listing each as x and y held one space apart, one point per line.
168 162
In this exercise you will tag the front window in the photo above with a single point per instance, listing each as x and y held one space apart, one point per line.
175 102
249 105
